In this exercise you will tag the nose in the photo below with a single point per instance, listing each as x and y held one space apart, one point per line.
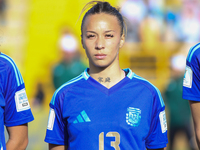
100 43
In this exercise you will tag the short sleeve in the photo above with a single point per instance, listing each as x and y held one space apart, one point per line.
157 137
55 133
17 109
191 82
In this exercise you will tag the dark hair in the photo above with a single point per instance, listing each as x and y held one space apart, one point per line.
103 7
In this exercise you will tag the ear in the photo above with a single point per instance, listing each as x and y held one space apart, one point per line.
122 41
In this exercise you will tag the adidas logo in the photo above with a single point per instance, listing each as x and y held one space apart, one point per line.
83 117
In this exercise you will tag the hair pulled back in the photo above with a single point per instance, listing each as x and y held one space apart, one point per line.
103 7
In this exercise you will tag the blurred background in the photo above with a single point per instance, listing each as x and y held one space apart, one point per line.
43 37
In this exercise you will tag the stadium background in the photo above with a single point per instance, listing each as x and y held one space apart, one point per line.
29 33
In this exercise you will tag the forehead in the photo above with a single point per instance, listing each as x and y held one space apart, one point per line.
101 20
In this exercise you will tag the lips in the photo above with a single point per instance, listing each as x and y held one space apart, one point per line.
100 56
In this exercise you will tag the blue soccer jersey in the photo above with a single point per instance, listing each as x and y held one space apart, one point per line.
191 81
86 115
14 105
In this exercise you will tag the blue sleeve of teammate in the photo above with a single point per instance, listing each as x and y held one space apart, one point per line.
191 82
17 108
56 133
157 137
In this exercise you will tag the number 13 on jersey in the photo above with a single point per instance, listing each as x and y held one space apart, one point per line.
114 144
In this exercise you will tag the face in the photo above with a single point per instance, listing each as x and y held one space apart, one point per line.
101 39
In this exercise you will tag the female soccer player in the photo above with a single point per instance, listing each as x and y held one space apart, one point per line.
15 112
191 86
106 107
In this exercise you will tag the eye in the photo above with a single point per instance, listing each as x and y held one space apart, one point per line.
90 36
109 35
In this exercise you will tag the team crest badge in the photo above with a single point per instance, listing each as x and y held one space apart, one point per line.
133 116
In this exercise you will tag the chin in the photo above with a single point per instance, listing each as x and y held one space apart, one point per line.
98 65
101 66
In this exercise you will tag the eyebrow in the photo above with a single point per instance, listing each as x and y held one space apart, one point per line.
109 31
105 31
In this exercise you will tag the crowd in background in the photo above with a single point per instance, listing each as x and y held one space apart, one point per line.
165 22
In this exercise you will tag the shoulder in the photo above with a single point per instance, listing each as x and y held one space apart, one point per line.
194 54
8 67
66 87
143 82
7 62
146 85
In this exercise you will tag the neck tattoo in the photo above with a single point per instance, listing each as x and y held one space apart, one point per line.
101 79
107 79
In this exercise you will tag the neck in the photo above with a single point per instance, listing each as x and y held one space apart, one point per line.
108 77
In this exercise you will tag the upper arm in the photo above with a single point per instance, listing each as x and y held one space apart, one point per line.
20 131
195 106
57 147
18 136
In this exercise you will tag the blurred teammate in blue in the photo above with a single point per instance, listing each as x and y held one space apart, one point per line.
191 86
106 107
15 112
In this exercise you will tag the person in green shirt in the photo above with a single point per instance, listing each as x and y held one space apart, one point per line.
70 66
178 109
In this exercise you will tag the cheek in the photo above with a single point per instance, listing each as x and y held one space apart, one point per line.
115 44
88 49
88 44
112 42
